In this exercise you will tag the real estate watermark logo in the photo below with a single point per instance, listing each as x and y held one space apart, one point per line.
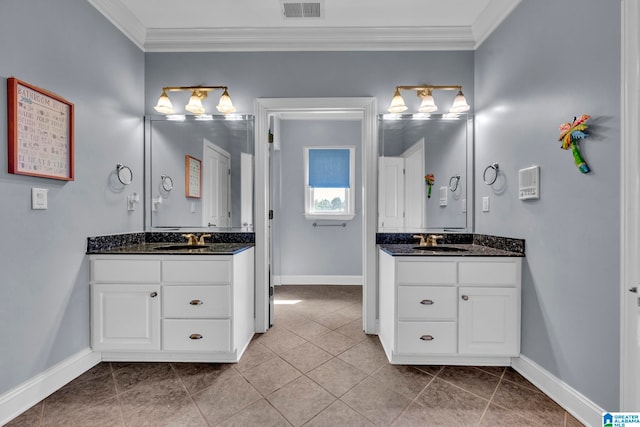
621 419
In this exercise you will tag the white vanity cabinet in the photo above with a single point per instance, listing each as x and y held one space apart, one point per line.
449 310
172 307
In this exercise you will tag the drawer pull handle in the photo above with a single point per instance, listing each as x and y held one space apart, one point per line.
153 294
195 336
427 338
195 302
426 302
465 297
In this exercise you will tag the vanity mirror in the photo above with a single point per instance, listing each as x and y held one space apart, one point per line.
411 148
224 144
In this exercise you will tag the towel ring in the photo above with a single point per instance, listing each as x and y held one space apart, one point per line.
453 183
494 167
124 174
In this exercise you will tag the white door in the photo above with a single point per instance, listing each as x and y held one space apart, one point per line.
216 186
630 208
414 195
391 194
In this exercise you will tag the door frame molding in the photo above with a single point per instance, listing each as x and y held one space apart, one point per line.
367 107
630 200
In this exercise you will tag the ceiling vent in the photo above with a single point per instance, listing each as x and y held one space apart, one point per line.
301 10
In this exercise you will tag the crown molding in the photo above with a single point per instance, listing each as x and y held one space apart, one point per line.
123 19
308 39
490 18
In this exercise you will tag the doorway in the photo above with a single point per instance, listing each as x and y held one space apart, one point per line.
366 109
217 186
630 209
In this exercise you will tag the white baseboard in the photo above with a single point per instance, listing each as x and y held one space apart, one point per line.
19 399
585 411
317 280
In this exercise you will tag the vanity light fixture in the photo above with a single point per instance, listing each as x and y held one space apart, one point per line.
428 104
198 94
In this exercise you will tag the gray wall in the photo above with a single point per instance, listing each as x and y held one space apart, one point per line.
548 62
299 248
66 47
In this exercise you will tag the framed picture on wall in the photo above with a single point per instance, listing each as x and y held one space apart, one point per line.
193 176
40 132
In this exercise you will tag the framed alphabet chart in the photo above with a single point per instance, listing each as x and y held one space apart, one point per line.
193 179
40 132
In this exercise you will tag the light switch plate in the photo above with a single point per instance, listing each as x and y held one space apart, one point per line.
39 198
485 204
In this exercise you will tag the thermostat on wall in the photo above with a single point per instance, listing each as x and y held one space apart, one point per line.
529 183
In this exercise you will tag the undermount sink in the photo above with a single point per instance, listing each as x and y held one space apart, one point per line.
440 248
179 247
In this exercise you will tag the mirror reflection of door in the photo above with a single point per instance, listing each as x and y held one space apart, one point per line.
217 186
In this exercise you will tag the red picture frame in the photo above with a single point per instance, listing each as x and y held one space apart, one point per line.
40 132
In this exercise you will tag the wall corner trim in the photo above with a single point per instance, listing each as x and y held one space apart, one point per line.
585 411
19 399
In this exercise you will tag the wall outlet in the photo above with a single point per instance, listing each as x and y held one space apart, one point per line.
485 204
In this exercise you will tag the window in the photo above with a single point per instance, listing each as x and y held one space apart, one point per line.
329 179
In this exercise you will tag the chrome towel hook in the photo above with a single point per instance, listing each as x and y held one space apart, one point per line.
493 175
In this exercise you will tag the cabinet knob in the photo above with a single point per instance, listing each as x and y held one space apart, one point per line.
427 338
426 302
153 294
465 297
195 336
195 302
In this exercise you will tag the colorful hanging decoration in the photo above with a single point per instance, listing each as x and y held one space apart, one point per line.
570 135
429 180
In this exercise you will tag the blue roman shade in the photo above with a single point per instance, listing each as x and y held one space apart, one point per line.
329 168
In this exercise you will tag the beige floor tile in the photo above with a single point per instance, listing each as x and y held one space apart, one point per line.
444 404
334 320
308 329
130 375
367 355
221 402
376 402
501 417
351 311
83 392
405 380
259 413
306 357
339 414
471 379
300 400
337 376
529 403
255 355
353 330
198 376
280 340
334 342
30 417
155 402
271 375
510 374
429 369
103 413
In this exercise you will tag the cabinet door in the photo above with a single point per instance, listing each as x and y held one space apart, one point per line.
489 322
125 317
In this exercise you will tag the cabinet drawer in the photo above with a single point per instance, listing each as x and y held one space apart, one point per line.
126 271
186 271
489 273
426 272
196 335
196 301
427 302
427 337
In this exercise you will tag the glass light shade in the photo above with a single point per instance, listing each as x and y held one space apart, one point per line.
225 106
164 105
427 105
195 104
459 104
397 103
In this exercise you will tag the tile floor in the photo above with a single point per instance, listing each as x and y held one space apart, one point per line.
314 368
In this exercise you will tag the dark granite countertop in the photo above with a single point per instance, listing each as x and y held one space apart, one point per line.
178 249
469 250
